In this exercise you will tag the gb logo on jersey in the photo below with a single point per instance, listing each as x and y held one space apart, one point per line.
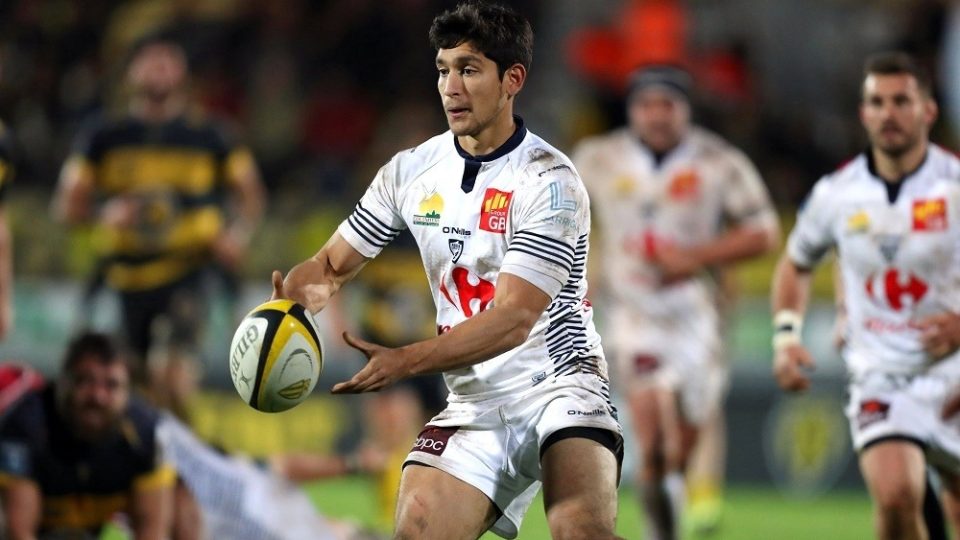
930 214
494 210
895 290
467 292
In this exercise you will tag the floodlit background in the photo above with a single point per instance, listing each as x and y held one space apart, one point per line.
324 92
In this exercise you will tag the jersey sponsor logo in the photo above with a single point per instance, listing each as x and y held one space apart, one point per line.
558 201
895 290
433 440
684 185
872 411
429 211
930 214
456 248
595 412
494 210
858 222
457 231
474 294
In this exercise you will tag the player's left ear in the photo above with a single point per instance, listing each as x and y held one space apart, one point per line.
513 79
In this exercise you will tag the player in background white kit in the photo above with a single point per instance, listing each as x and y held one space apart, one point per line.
672 202
502 223
893 216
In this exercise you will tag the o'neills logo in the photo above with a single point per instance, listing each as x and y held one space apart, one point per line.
433 440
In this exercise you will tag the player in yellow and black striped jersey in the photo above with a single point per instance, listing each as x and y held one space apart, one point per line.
74 453
6 242
169 196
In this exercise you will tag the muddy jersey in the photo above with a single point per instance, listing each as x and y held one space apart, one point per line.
520 209
684 198
899 252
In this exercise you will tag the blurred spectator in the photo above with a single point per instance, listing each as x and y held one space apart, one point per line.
76 452
171 197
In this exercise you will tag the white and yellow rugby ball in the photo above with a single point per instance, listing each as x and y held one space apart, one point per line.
276 356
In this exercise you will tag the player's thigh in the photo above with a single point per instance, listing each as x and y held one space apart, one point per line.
894 471
580 477
434 505
646 418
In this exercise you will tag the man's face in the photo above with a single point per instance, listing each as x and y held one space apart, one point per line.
659 117
157 71
96 396
472 92
896 114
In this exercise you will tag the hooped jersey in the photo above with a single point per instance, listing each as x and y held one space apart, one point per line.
520 209
899 254
684 199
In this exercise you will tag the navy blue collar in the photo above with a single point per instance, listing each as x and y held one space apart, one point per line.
509 146
892 187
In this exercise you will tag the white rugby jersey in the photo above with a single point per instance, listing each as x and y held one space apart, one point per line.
685 200
898 254
520 209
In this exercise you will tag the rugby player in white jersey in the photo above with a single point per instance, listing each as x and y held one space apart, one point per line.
673 203
502 222
893 216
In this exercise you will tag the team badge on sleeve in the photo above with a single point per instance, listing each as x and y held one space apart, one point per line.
494 209
930 214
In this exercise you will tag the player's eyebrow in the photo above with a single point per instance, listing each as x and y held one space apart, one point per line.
461 60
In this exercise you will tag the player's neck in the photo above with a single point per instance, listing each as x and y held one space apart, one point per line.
151 110
893 168
491 137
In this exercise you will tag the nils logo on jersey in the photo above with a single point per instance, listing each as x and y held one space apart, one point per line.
494 210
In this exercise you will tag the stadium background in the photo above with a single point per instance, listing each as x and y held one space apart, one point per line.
325 91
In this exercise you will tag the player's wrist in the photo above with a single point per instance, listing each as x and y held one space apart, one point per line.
787 329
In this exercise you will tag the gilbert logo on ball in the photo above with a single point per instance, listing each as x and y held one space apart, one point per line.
276 356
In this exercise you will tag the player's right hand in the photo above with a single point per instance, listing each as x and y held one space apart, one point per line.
790 364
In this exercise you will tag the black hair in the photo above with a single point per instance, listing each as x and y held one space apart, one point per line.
499 32
898 63
91 344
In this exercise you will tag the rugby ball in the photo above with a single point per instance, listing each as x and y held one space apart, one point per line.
276 356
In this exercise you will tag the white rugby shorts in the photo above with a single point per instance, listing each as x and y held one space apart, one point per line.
681 355
885 406
494 445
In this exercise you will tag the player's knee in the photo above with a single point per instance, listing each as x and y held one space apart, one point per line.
898 501
578 521
412 518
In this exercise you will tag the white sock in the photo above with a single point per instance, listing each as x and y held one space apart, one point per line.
675 488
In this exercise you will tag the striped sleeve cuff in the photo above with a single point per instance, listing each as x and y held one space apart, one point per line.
543 261
367 233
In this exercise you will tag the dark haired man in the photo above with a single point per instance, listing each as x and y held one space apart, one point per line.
169 195
893 216
74 453
502 222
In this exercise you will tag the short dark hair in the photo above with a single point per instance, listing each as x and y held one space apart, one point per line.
499 32
898 63
87 344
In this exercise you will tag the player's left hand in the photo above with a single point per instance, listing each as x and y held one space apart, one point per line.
675 264
229 250
385 366
940 334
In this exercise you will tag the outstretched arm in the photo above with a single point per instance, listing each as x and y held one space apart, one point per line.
516 307
314 281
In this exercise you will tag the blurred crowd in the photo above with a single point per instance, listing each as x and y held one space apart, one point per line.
324 92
